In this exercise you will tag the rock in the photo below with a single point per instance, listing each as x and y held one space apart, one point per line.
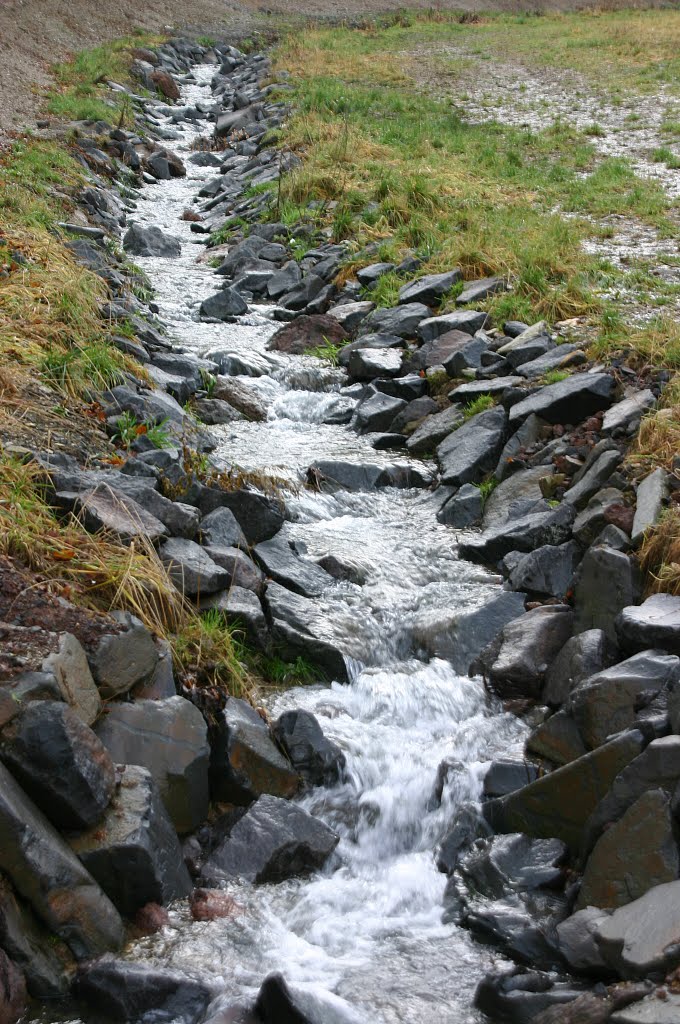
104 509
634 854
594 478
60 763
519 351
350 314
376 412
641 938
370 341
70 668
593 519
468 320
414 412
624 417
434 429
220 529
469 826
581 657
557 739
507 775
169 739
333 476
400 320
526 435
274 840
281 563
369 363
319 761
12 991
241 609
460 634
191 569
560 357
475 291
367 276
464 509
49 876
223 305
299 629
467 355
552 526
655 623
651 494
660 1007
448 350
122 660
165 84
578 946
134 854
527 646
245 761
518 996
136 992
214 411
258 515
604 584
151 918
559 804
517 495
499 864
473 449
150 241
607 702
594 1007
307 332
241 397
280 1003
494 386
568 401
547 571
430 289
44 962
285 280
241 570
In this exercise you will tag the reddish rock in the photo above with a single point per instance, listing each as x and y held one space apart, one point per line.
165 84
12 991
191 215
211 904
307 332
150 918
621 516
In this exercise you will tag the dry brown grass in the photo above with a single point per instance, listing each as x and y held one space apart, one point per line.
660 554
658 440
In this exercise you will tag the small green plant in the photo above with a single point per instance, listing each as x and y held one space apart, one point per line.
486 489
158 433
127 430
555 376
209 382
329 351
480 404
300 672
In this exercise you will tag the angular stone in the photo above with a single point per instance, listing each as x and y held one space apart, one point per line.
577 941
306 333
523 534
434 429
319 761
527 647
604 584
643 937
281 563
122 660
285 280
134 853
169 738
518 352
526 435
245 761
607 702
581 657
481 288
467 354
376 412
71 670
660 1007
49 876
350 314
495 386
300 629
60 763
592 520
624 417
334 476
520 996
464 509
258 515
506 775
214 411
559 804
150 241
560 357
651 494
468 320
241 569
369 363
430 289
472 450
400 320
368 276
44 963
241 608
274 840
104 509
380 342
568 401
220 529
654 623
191 569
413 412
223 305
241 396
460 634
138 992
547 571
637 852
595 478
280 1003
557 739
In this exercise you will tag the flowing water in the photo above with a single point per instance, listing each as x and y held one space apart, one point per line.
363 937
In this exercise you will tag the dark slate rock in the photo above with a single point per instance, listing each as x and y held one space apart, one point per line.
12 991
150 241
220 528
279 1003
303 293
517 996
136 992
558 805
552 526
241 569
557 739
32 948
472 450
245 761
592 520
379 341
508 924
652 493
446 350
408 387
124 659
191 569
169 738
281 563
350 314
134 853
595 478
319 761
624 417
299 629
568 401
641 938
60 763
369 363
434 429
526 435
259 516
464 509
376 412
495 386
514 862
333 476
507 775
655 623
527 647
517 352
224 304
214 411
368 276
414 412
560 357
50 878
274 840
401 320
547 571
581 657
468 356
430 289
635 853
468 320
461 633
475 291
104 509
576 939
285 280
468 827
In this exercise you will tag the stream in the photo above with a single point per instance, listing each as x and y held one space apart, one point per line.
364 938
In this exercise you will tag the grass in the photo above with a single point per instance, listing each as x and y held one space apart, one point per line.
329 351
660 554
480 404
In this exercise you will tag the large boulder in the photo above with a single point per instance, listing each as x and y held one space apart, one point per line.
468 320
69 666
655 623
299 628
569 401
634 854
430 289
134 853
559 804
604 584
527 646
60 763
274 840
578 946
280 562
49 876
241 570
473 449
557 739
369 363
240 607
245 761
376 412
459 634
400 320
642 938
169 738
45 963
150 241
280 1003
329 475
220 528
547 571
123 659
139 992
607 702
319 761
258 515
224 305
191 569
548 526
516 496
306 333
581 657
434 429
624 417
518 996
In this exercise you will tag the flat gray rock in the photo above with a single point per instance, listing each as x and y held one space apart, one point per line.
655 623
429 289
651 494
475 291
552 526
282 564
568 401
624 417
644 936
473 449
468 320
191 569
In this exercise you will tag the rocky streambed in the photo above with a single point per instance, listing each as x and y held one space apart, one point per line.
473 802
